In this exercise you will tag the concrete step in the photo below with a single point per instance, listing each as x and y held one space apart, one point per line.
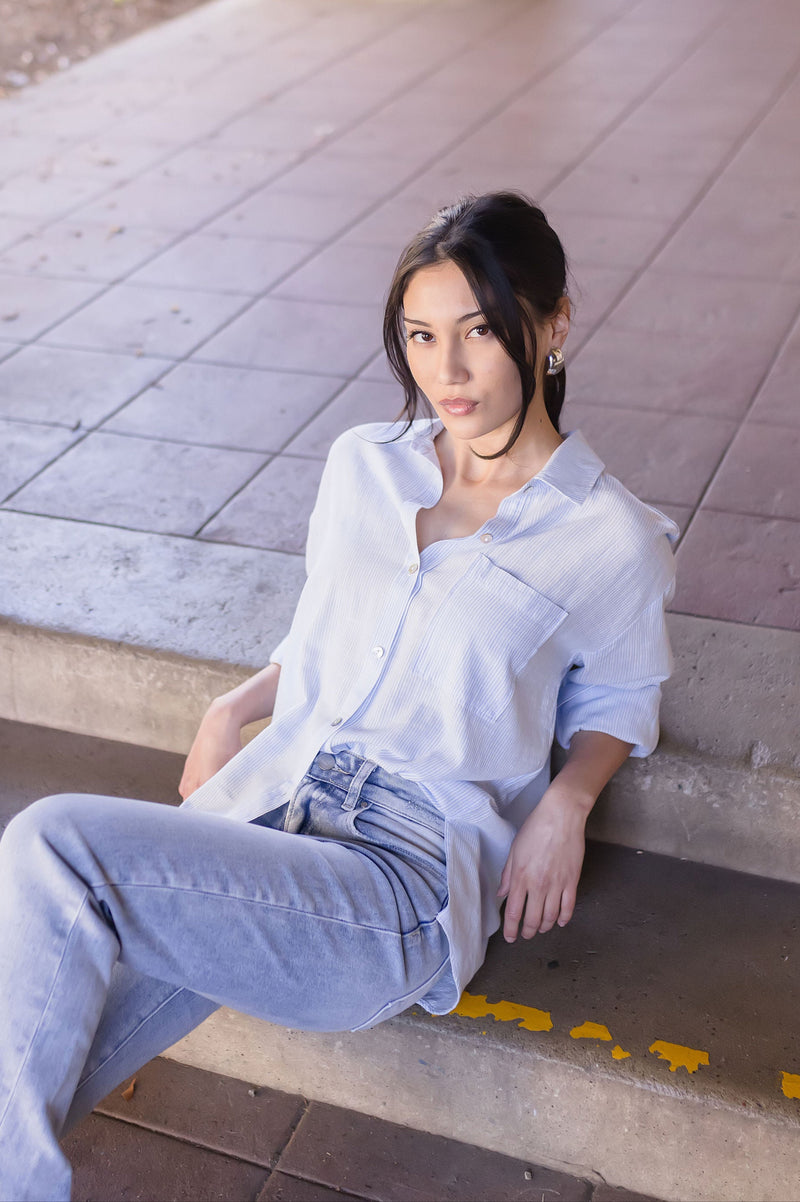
649 1044
130 635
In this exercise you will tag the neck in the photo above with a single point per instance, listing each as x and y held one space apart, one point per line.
461 464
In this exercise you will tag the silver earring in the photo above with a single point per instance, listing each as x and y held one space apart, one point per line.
555 361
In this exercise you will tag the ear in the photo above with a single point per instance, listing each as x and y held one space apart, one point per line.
559 323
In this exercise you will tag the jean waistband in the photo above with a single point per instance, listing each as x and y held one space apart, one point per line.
361 778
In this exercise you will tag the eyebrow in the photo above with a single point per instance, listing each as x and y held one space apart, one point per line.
413 321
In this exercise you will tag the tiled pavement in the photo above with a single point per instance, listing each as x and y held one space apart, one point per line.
196 229
190 1135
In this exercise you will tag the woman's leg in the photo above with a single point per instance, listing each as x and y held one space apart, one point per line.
308 932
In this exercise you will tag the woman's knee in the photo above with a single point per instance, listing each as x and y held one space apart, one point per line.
49 819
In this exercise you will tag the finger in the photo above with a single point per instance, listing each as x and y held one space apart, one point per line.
515 904
550 912
505 880
533 915
567 906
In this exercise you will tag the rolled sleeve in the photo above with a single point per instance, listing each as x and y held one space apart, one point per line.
616 689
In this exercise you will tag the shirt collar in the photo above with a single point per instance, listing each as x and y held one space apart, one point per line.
572 469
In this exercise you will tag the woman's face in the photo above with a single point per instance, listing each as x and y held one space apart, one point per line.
457 362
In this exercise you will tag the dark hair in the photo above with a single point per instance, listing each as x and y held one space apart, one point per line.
515 265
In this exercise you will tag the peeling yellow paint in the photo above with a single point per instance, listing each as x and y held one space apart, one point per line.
678 1056
476 1006
791 1084
619 1053
591 1031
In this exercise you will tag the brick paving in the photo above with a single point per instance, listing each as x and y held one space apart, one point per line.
194 1135
197 227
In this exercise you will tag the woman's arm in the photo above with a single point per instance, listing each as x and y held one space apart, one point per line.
219 736
540 878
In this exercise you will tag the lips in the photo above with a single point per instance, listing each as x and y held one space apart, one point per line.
458 406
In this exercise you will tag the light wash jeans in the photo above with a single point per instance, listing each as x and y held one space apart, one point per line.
123 924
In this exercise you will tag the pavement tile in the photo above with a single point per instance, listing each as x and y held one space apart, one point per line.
394 223
12 230
759 473
378 369
345 272
222 263
363 400
458 173
161 203
741 569
265 129
594 187
717 376
209 163
109 159
41 195
216 1112
121 480
778 401
142 320
405 141
742 227
274 213
658 456
298 335
702 305
113 1162
636 146
272 511
367 1156
72 388
592 290
27 448
97 250
531 134
283 1188
254 410
28 306
602 240
330 172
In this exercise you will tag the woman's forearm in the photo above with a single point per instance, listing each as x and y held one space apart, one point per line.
592 760
251 701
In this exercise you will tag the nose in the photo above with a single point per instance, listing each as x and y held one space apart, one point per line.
452 364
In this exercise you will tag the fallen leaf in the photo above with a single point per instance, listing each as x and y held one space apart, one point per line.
128 1093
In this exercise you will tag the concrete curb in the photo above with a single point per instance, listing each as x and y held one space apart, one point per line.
422 1073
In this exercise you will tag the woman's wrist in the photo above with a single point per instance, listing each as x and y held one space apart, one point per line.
251 701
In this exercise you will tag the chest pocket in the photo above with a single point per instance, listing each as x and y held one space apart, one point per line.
482 635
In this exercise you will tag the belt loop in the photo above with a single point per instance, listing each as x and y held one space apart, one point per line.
356 785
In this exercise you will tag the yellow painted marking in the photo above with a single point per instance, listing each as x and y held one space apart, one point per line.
591 1031
678 1056
791 1084
619 1054
476 1006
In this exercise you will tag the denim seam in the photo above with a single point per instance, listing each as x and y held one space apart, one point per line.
85 1080
361 926
44 1009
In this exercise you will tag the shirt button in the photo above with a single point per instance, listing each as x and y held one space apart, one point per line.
413 569
486 538
377 652
336 722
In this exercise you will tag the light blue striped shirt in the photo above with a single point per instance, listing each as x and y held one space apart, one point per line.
456 667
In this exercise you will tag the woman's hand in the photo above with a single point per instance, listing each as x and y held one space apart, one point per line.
218 740
540 878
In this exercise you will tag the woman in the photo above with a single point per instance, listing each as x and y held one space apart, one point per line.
476 583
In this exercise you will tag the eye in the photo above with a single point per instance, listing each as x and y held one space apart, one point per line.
479 331
422 336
